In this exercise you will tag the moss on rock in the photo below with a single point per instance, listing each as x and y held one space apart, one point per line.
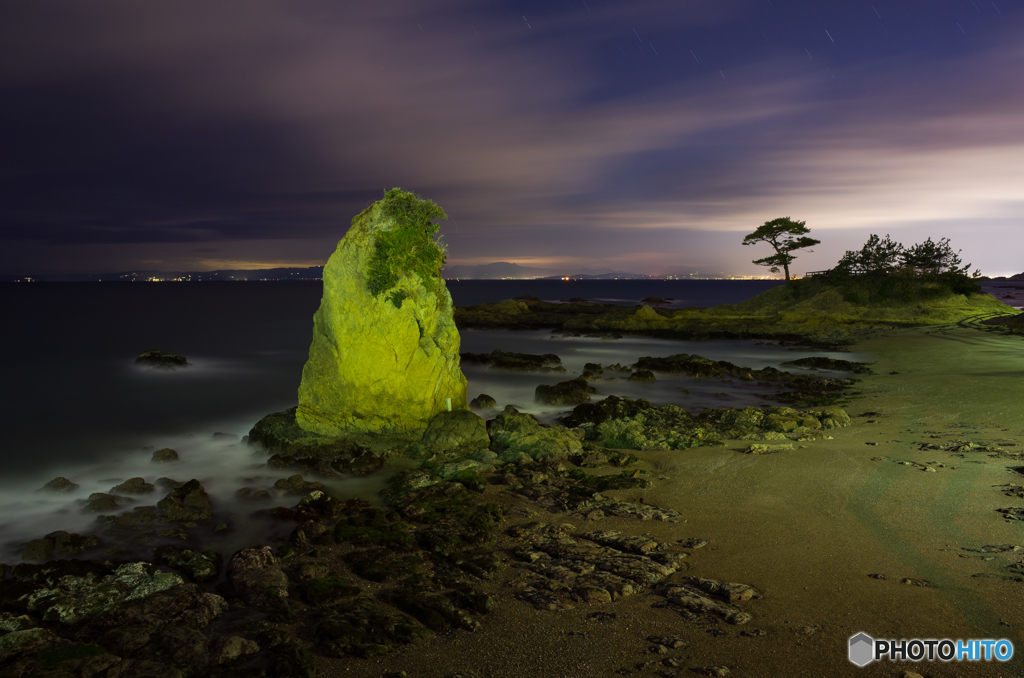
516 436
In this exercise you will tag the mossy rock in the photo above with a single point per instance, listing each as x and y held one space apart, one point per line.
516 362
198 566
280 434
515 435
384 359
483 402
656 428
453 434
569 392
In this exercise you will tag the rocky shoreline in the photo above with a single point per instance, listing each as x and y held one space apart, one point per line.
547 521
351 579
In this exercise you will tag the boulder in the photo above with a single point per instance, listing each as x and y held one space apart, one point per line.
385 351
100 502
228 648
73 599
483 402
186 504
199 566
164 455
519 437
458 432
296 484
258 579
133 486
565 393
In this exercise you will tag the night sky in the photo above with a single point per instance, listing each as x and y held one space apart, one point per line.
639 135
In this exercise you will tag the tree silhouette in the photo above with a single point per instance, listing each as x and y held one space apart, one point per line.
784 235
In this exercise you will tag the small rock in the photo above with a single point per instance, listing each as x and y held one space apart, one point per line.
59 484
12 622
768 449
186 504
134 486
167 360
100 503
719 671
692 543
643 376
296 485
258 579
232 647
671 642
165 455
483 402
199 566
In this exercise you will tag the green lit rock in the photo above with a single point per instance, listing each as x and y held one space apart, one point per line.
385 352
450 433
518 437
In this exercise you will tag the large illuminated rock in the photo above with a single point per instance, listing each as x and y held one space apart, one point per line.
382 363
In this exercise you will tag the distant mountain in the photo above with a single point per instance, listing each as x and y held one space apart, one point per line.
617 275
496 271
503 269
225 275
1019 276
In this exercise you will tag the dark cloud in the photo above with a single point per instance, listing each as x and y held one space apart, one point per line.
646 134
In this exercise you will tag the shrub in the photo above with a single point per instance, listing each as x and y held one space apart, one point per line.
407 247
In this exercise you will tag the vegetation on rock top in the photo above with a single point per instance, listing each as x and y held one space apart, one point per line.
408 247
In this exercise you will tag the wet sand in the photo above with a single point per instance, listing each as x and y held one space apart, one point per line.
806 527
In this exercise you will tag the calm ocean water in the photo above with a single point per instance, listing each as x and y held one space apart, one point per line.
76 405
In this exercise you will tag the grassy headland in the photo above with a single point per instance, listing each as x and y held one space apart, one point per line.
834 310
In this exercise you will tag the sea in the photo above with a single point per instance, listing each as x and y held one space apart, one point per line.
76 405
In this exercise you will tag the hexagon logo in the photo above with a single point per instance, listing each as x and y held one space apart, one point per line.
862 649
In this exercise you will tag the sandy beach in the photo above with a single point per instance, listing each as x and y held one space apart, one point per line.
806 527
